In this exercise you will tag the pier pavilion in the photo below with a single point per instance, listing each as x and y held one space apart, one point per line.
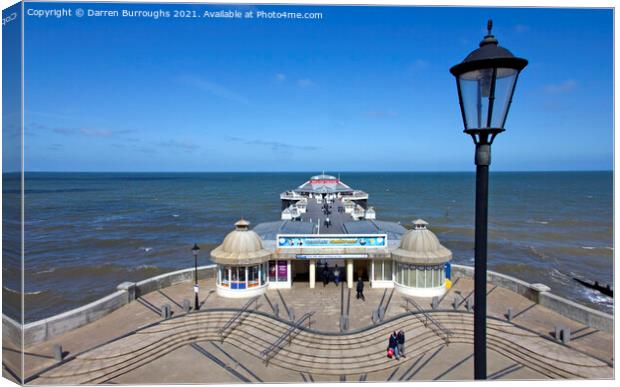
326 230
413 261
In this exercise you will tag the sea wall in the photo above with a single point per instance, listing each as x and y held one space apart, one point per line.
541 295
42 330
45 329
11 329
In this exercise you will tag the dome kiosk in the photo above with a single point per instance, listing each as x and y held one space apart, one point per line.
241 263
420 262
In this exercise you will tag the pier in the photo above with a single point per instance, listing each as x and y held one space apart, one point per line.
265 315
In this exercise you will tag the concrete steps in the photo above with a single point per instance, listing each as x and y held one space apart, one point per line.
309 352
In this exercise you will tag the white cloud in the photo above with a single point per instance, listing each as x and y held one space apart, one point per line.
305 82
420 64
380 113
90 132
562 87
214 88
522 28
280 77
276 146
178 144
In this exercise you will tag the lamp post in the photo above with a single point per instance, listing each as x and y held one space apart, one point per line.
485 81
195 250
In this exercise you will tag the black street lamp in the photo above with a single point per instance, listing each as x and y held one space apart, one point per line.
195 250
485 81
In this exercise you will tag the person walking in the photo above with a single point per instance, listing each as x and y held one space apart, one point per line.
400 338
325 275
393 345
336 275
360 289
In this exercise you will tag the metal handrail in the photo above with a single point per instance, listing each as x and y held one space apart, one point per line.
435 323
234 318
270 351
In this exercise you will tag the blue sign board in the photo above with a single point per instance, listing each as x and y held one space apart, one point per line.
331 241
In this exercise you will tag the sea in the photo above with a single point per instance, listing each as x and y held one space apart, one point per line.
85 233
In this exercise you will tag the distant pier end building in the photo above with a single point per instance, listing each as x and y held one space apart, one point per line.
327 230
323 187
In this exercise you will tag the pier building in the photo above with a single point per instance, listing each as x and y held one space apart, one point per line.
242 263
327 230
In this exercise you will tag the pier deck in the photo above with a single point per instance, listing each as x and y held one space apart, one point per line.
196 354
314 213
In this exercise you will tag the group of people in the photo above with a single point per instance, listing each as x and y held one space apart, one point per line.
327 210
396 345
331 275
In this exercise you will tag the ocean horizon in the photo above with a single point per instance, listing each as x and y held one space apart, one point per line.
86 232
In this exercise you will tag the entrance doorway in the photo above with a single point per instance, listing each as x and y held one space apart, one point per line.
326 270
300 270
361 268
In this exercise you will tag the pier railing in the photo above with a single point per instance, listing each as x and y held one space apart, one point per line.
426 318
288 335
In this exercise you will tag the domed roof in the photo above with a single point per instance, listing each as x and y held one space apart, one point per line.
241 246
421 246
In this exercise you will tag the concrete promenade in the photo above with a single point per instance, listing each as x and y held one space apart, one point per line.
189 347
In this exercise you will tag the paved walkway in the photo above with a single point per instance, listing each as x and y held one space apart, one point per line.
202 360
314 211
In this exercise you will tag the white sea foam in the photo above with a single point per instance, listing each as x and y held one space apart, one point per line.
46 271
143 267
588 247
146 249
598 298
560 277
175 215
25 293
538 221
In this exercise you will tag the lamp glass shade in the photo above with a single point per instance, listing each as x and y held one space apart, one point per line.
195 249
485 96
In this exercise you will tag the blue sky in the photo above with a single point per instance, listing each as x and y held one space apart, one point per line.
362 89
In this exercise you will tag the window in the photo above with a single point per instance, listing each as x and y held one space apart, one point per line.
387 270
272 271
413 280
263 273
419 276
225 276
428 271
278 271
418 271
282 271
383 270
253 276
238 278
